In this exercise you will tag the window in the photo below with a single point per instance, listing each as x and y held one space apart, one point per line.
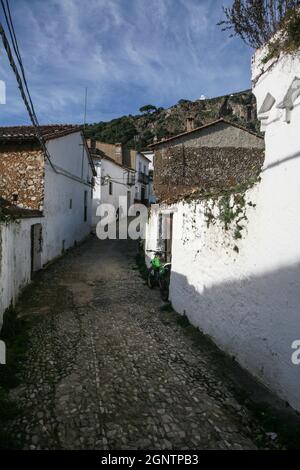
144 169
110 188
70 204
85 207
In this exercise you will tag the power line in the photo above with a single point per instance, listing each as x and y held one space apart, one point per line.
23 83
15 45
24 97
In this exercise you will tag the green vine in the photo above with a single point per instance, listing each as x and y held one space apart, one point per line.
230 210
7 218
288 39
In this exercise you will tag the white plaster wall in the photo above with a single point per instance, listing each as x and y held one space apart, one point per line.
118 175
151 235
248 302
62 222
96 192
149 154
15 260
141 164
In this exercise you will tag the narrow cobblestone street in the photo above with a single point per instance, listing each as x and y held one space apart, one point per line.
108 368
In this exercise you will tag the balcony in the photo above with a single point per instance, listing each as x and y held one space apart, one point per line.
143 178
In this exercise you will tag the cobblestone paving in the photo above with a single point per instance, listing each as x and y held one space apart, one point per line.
107 368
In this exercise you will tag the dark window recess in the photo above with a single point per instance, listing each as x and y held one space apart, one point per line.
110 188
71 203
85 206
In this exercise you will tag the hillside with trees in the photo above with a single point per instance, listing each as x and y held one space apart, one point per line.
139 130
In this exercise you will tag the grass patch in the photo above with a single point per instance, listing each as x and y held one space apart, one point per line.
286 427
14 333
166 307
182 320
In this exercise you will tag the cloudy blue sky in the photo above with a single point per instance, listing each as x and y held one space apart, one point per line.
127 52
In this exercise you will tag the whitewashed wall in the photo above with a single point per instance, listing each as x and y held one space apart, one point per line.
151 235
248 302
141 165
15 260
64 220
96 192
118 175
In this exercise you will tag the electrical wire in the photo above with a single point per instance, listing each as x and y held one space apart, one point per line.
22 83
24 97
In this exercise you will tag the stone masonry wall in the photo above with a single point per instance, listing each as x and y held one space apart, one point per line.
22 176
181 171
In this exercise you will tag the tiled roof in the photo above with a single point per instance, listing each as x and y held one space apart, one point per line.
8 208
21 133
97 154
197 129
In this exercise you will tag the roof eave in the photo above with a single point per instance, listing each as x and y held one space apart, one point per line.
197 129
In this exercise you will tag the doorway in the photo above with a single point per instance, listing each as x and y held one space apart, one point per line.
36 248
143 193
128 200
165 235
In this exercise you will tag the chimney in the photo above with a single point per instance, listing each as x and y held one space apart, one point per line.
190 124
119 153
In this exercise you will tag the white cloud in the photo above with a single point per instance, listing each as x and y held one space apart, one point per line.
127 52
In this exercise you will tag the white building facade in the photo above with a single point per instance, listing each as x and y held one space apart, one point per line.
245 293
55 197
68 195
113 181
142 178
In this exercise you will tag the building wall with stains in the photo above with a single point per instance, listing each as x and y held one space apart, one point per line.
68 196
15 260
22 175
245 293
218 156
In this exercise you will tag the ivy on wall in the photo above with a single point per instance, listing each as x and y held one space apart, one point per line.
227 208
288 39
7 218
230 210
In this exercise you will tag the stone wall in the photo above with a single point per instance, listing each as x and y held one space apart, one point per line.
181 170
22 175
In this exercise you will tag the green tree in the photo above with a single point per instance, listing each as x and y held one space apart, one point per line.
147 109
256 21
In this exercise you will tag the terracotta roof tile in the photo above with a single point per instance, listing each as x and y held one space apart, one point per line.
21 133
